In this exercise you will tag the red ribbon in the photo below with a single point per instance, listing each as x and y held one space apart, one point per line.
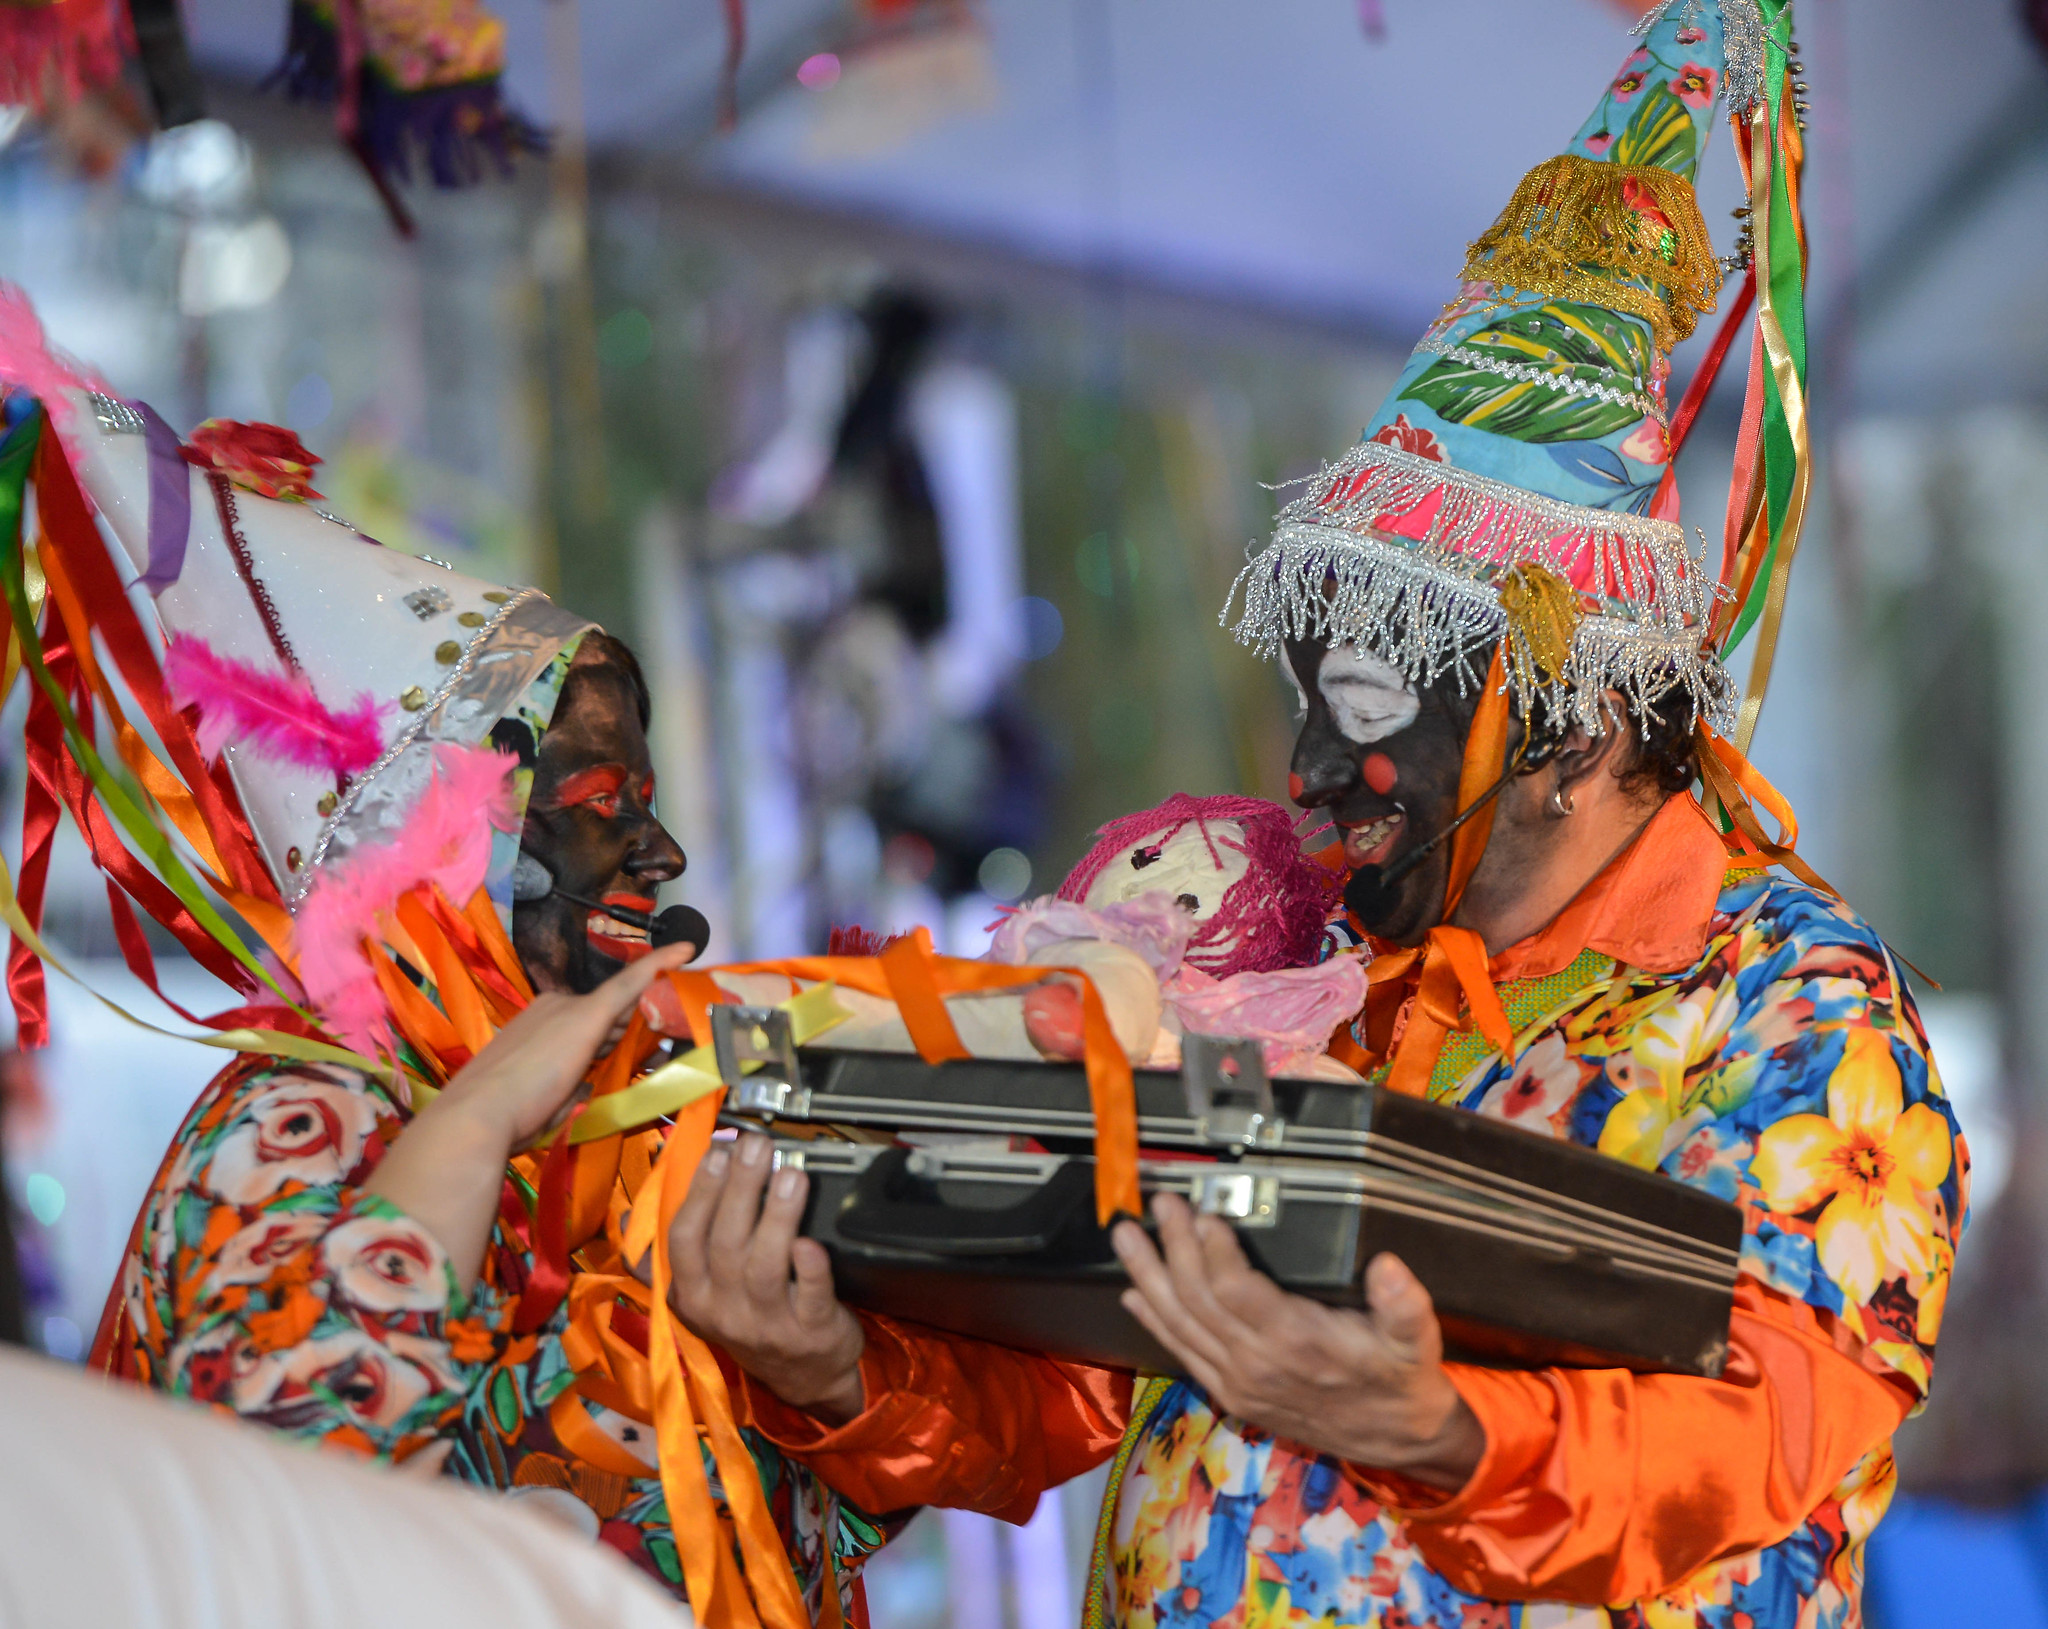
68 527
545 1290
42 744
1702 381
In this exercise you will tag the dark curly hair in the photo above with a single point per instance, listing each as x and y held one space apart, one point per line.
1663 750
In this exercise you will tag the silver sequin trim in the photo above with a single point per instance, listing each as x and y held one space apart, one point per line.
116 417
1472 357
1429 606
1743 36
295 888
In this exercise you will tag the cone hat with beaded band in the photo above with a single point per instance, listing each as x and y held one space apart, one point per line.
1526 442
433 657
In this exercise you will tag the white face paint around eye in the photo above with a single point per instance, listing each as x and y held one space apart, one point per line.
1369 699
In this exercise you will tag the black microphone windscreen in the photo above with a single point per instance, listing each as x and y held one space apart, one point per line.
681 924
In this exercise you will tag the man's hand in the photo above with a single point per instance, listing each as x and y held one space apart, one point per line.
1366 1387
447 1167
530 1075
744 1281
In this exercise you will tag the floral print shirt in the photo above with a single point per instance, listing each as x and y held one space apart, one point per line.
263 1280
1784 1068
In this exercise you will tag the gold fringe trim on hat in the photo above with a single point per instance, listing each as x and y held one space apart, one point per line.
1543 619
1628 236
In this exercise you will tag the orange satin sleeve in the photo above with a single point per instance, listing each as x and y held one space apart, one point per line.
1599 1485
953 1422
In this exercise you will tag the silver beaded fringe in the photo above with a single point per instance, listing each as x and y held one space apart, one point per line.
1431 608
1742 40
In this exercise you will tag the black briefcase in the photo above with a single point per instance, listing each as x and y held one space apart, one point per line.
961 1195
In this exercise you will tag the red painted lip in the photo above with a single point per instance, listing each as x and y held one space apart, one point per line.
620 950
1378 854
629 902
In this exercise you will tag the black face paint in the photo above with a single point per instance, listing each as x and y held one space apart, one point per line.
1380 827
591 822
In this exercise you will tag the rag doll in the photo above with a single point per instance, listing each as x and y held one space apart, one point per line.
1199 916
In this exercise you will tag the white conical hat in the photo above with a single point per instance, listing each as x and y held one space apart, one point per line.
452 654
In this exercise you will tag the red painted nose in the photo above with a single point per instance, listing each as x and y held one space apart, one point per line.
1294 787
1380 773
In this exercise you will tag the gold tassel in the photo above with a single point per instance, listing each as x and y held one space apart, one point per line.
1543 616
1581 230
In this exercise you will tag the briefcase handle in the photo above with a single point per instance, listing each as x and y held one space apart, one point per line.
877 1213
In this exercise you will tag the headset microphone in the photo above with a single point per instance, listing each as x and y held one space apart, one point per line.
679 924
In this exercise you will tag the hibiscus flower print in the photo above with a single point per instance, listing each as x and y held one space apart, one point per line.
1472 296
1638 198
1646 444
386 1264
1856 1169
1412 438
1695 84
1630 79
303 1129
1546 1078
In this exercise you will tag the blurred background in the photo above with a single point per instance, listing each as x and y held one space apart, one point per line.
904 379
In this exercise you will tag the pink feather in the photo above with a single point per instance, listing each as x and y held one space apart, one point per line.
446 841
277 714
27 360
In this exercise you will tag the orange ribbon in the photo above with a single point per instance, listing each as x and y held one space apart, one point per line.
911 974
676 1385
1734 781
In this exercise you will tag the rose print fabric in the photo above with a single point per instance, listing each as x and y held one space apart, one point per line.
265 1282
1785 1069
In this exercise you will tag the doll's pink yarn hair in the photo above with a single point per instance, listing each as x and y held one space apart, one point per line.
1271 917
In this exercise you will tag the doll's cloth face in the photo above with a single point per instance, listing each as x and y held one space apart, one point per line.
1192 869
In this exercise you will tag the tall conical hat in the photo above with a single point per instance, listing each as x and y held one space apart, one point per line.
328 713
418 654
1522 458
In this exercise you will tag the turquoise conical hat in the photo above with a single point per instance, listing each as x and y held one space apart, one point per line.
1529 425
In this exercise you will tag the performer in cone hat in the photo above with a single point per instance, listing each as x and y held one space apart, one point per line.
1510 665
393 1225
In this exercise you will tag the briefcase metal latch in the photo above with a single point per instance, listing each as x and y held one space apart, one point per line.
757 1061
1240 1195
1229 1097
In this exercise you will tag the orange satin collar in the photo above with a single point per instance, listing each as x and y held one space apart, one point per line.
1650 908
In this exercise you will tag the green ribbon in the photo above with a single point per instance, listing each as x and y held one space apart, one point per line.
17 456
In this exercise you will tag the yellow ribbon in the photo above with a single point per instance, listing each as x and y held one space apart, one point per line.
682 1081
299 1048
1785 372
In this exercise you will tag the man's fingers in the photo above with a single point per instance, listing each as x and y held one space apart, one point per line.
1187 1261
766 1269
739 1208
689 1230
812 1297
1402 1309
1155 1284
612 1001
1242 1290
1200 1370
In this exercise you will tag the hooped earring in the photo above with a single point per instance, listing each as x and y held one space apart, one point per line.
1560 802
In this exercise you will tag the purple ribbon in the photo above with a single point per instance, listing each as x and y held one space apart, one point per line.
170 502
